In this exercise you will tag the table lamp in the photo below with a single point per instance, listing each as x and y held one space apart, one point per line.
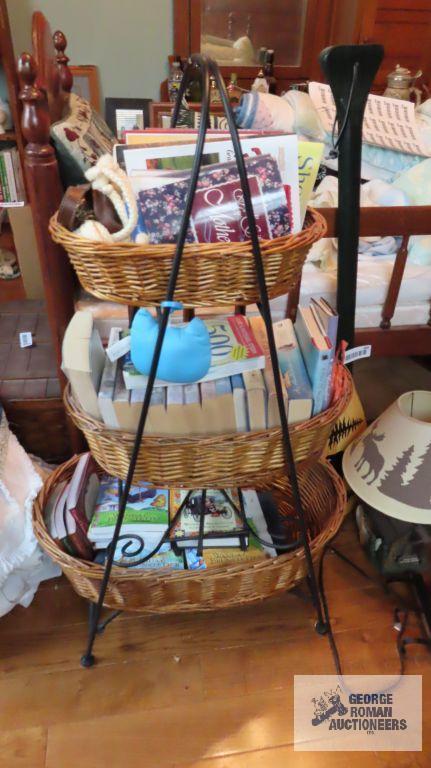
389 465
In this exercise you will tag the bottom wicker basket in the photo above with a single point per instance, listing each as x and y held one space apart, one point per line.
324 500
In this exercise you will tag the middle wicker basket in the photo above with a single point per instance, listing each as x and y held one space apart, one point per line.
217 461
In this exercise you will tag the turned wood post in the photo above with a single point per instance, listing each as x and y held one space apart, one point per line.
60 45
45 194
395 284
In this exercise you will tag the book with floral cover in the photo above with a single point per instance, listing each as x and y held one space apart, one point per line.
218 213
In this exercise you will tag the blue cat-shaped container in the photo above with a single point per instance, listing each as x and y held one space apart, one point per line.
186 350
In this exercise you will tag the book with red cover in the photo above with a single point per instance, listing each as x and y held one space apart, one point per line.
218 213
66 533
82 494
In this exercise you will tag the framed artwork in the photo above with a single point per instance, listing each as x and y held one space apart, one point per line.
127 114
161 112
86 84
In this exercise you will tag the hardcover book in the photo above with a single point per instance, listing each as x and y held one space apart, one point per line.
294 372
316 350
223 526
218 213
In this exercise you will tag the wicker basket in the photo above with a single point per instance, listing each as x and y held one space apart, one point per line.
233 459
324 499
211 274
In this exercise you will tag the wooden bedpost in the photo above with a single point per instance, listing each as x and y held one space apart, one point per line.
66 77
45 192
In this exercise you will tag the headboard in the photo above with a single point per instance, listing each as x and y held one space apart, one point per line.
46 82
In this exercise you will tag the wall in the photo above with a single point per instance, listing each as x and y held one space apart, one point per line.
128 40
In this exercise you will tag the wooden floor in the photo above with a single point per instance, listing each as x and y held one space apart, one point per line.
201 691
208 691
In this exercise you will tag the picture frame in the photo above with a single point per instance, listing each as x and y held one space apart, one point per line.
127 114
161 113
86 83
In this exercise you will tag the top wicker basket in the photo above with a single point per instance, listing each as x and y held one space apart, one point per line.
211 274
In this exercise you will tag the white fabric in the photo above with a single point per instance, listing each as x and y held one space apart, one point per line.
373 193
22 563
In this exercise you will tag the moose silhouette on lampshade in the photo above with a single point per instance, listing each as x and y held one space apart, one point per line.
389 465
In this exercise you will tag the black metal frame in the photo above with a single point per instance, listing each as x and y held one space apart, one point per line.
352 135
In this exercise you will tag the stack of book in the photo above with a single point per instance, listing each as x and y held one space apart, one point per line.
238 393
11 179
83 512
70 509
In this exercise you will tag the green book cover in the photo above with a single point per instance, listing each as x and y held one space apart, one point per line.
3 179
145 506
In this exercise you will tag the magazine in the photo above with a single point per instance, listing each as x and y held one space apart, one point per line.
283 148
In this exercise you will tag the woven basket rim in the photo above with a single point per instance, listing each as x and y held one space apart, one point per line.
91 570
99 427
314 224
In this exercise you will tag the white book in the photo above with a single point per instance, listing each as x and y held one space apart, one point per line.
255 516
10 177
84 360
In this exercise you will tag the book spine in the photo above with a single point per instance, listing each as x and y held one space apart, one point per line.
10 177
19 179
3 179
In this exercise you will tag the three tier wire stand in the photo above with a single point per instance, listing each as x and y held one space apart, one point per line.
227 461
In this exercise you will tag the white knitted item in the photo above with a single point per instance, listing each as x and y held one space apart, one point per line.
107 177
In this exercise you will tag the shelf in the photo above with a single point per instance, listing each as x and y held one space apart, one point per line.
8 136
6 239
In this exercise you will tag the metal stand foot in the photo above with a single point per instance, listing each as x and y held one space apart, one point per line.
321 627
88 660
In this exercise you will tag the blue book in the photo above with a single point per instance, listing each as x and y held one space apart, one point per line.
328 319
240 403
294 372
318 357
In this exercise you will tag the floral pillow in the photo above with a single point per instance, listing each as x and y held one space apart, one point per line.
80 139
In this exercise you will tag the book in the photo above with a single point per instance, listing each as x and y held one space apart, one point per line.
4 180
146 513
193 410
169 149
165 558
256 551
107 385
223 526
225 404
13 193
234 349
84 361
83 492
309 158
156 418
316 351
240 403
256 399
175 411
273 413
67 534
294 372
327 319
218 213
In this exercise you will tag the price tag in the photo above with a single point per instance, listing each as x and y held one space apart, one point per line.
120 348
357 353
25 339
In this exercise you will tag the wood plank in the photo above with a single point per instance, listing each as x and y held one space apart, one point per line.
23 749
226 726
398 220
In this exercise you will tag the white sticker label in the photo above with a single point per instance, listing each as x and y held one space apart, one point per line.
25 339
120 348
357 353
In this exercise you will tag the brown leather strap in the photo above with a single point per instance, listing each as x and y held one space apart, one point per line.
73 205
83 202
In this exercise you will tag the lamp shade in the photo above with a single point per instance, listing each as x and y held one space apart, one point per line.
389 465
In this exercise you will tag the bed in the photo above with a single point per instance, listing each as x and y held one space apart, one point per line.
393 317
